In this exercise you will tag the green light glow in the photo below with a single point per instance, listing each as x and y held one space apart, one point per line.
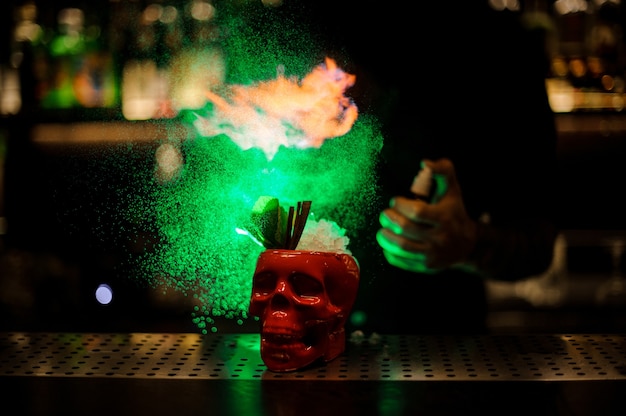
201 214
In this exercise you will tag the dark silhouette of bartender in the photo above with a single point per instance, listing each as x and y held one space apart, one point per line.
458 86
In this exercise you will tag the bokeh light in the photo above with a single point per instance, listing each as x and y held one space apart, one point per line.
104 294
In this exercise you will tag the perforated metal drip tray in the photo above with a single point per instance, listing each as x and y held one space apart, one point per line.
393 358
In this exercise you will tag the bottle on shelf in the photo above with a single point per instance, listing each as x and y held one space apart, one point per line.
80 71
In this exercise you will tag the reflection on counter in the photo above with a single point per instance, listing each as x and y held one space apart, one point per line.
186 374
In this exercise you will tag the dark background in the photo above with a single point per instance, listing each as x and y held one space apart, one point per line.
54 195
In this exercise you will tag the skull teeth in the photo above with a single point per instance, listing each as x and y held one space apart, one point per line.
281 338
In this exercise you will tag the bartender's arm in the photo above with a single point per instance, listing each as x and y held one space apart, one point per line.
432 236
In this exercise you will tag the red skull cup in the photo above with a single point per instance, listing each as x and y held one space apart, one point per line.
303 299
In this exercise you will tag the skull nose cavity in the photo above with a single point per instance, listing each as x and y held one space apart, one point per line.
279 301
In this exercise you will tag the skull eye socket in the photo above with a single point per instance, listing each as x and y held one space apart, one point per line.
265 283
306 286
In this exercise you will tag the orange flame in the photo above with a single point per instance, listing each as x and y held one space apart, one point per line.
284 111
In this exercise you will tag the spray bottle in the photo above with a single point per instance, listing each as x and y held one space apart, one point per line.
422 184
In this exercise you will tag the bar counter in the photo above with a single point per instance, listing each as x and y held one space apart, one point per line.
44 373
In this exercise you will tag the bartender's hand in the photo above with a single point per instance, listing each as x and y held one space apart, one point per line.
428 237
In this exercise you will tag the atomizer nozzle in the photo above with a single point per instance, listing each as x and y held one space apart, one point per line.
422 183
